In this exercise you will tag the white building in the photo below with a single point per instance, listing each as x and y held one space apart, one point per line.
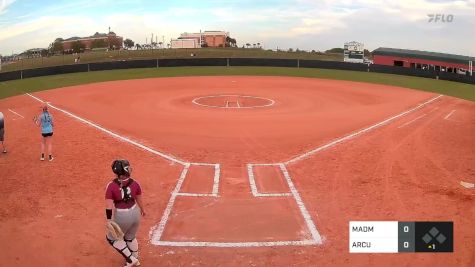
185 43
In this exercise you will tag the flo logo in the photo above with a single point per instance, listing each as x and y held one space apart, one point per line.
443 18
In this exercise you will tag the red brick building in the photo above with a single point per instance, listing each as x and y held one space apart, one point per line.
423 60
106 40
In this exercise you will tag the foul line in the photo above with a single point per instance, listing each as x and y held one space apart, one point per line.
409 122
365 130
448 115
157 232
125 139
16 113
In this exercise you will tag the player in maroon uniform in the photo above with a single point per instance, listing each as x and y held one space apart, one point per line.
2 132
124 197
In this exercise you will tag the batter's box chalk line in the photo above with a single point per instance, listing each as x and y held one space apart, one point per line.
252 182
157 232
214 192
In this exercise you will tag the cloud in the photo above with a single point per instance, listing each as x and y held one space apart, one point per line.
306 24
4 5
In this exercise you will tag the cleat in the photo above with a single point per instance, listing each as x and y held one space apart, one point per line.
51 158
4 151
135 262
42 158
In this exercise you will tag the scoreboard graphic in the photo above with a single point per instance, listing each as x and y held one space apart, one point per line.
353 52
399 237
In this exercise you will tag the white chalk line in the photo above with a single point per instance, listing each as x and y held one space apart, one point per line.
216 176
125 139
467 185
182 194
365 130
16 113
303 210
158 232
450 114
195 101
411 121
252 182
235 244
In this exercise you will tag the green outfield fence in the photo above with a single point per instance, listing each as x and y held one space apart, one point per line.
231 62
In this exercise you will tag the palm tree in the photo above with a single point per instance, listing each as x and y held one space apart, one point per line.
160 44
258 45
248 44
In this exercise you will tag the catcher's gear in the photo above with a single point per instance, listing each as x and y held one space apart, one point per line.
121 167
133 246
122 248
114 230
125 191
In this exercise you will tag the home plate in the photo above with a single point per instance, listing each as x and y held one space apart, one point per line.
467 185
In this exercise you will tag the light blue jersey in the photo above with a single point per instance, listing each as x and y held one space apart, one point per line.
46 122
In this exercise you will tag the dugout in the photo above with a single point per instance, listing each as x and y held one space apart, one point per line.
424 60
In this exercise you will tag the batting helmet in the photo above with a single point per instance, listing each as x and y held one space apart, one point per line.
121 167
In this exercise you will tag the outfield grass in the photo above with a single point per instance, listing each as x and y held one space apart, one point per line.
16 87
90 57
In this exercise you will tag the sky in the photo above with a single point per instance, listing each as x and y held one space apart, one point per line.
303 24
